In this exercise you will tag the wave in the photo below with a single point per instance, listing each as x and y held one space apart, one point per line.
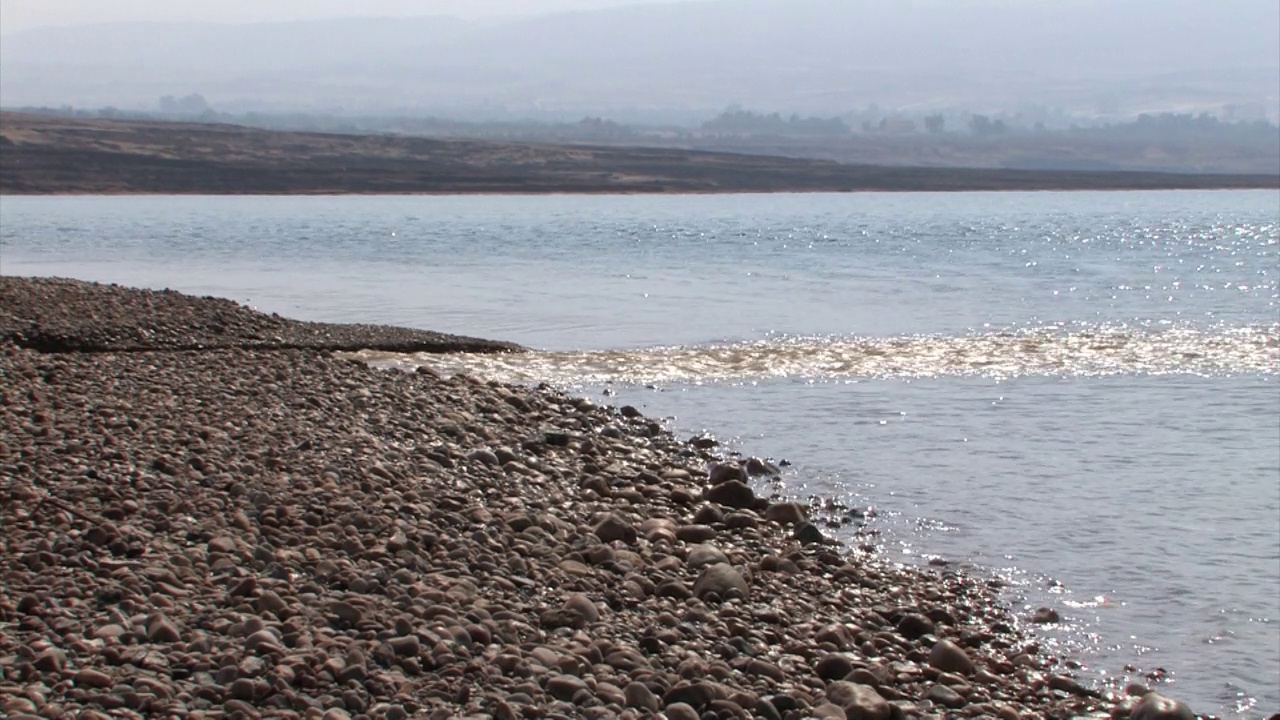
1043 351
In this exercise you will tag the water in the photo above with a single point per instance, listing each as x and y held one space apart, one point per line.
1075 391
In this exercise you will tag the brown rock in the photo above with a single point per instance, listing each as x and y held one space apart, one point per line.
614 528
702 554
562 617
786 513
88 677
162 630
681 711
721 579
833 666
346 612
860 702
760 667
945 696
639 696
914 625
1154 706
695 533
726 472
564 687
50 660
222 544
733 493
1045 616
582 605
405 646
949 657
828 711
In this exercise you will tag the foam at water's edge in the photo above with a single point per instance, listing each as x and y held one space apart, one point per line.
1048 351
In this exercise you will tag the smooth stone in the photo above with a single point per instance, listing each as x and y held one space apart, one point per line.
682 711
582 605
1045 616
270 601
639 696
89 677
726 472
243 689
696 695
222 544
833 666
760 667
809 534
614 528
733 493
702 554
766 710
109 631
562 617
860 702
262 638
757 466
50 660
695 533
945 696
828 711
786 513
161 630
564 687
949 657
405 646
720 579
708 515
1154 706
346 612
913 626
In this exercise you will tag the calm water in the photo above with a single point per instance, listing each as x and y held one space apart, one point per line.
1075 391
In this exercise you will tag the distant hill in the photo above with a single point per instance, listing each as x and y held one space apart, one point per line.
46 155
682 60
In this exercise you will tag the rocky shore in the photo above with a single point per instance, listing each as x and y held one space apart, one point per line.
259 528
64 315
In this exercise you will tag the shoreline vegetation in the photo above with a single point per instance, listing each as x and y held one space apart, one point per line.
44 155
262 528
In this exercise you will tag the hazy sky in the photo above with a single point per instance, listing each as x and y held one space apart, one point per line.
18 15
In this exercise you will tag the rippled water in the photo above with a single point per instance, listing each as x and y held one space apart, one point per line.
1059 351
1076 391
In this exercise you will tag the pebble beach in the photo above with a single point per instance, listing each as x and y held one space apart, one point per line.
209 512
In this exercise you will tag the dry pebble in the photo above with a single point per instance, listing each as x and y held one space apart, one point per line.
285 533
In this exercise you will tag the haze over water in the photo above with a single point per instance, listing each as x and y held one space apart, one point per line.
1076 392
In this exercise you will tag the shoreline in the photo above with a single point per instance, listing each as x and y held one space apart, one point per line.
64 156
272 531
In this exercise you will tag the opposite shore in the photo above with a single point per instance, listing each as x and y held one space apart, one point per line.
209 514
41 155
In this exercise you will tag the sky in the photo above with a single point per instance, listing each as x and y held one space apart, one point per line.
19 15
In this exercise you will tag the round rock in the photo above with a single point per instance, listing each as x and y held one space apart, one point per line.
949 657
720 579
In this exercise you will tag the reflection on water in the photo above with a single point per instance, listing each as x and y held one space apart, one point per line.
1057 351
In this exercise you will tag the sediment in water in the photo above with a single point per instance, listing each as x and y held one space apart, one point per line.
284 533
